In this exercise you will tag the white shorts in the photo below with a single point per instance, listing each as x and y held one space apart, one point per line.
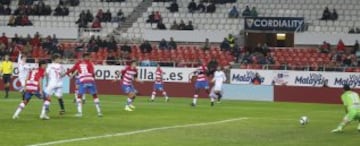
22 83
217 87
54 90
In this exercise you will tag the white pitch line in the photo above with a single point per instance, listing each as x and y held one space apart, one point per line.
137 132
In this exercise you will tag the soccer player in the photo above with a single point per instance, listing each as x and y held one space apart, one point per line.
24 69
218 80
201 82
128 75
85 70
159 84
33 87
351 102
54 74
6 68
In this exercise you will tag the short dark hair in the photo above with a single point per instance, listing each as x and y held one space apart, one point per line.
86 55
55 56
42 62
346 87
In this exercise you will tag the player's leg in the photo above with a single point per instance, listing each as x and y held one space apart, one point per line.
161 88
153 94
93 92
81 91
46 105
6 79
59 95
22 89
27 97
346 120
212 96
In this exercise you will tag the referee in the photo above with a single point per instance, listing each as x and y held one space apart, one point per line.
6 68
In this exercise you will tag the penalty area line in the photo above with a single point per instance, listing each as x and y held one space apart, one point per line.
137 132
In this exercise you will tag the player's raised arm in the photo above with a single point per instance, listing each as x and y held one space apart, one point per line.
72 69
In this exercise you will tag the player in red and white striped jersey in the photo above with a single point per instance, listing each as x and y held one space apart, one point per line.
159 84
85 71
201 82
128 75
33 87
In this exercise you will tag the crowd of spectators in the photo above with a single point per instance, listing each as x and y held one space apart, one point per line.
28 44
354 30
19 20
201 7
87 17
182 25
328 15
250 13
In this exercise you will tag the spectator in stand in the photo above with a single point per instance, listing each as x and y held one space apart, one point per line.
225 46
126 48
352 30
172 44
111 60
35 41
74 3
100 15
253 12
88 16
27 48
212 65
174 7
107 16
201 7
182 25
25 21
151 18
189 26
157 17
121 15
163 45
256 80
58 11
4 39
340 47
61 11
265 49
246 12
325 47
356 47
326 14
161 25
2 10
231 40
192 6
12 21
96 25
2 50
145 47
92 46
334 15
112 44
174 26
54 40
82 22
7 10
233 13
207 45
5 2
211 8
257 49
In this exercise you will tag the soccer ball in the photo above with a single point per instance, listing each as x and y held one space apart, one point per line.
304 120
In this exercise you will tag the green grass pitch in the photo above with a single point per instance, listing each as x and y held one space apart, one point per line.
271 124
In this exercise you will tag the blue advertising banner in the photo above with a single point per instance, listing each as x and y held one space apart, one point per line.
274 23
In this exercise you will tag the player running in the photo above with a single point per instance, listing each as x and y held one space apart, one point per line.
159 84
85 70
54 74
351 102
201 82
33 86
218 80
128 75
24 69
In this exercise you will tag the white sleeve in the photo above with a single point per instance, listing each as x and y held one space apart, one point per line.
19 58
47 71
224 76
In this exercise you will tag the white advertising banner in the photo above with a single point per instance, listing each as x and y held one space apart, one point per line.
109 72
296 78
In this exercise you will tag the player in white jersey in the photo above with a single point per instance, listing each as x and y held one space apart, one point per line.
24 69
217 90
55 72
